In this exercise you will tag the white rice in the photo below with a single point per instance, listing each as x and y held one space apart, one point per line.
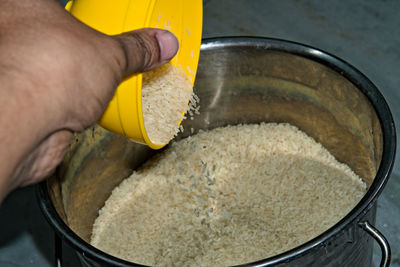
166 93
228 196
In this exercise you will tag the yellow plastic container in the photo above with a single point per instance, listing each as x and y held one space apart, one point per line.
182 17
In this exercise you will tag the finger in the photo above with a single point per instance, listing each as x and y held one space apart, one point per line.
146 49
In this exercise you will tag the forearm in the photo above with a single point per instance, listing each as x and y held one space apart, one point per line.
30 96
24 122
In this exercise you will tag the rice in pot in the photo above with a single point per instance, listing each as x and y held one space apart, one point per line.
228 196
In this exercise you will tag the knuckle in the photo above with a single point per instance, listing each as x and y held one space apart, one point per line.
140 51
148 51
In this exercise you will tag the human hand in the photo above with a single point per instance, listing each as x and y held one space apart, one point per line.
56 77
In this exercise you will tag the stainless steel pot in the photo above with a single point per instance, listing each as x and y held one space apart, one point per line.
249 80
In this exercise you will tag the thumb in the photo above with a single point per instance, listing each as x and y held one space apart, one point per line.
146 49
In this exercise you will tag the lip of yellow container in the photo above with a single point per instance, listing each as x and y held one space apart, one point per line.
182 17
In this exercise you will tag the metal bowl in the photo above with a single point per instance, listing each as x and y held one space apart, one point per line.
249 80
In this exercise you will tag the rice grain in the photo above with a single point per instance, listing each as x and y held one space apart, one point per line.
166 93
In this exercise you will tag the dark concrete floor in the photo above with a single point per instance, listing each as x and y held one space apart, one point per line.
362 32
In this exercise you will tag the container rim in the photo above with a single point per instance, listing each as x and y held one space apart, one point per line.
340 66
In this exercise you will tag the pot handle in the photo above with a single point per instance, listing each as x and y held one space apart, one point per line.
382 241
58 262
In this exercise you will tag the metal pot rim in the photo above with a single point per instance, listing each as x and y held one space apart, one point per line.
333 62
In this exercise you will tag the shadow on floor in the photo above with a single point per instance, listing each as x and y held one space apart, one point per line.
21 222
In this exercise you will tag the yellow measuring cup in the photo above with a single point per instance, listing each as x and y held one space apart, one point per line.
182 17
